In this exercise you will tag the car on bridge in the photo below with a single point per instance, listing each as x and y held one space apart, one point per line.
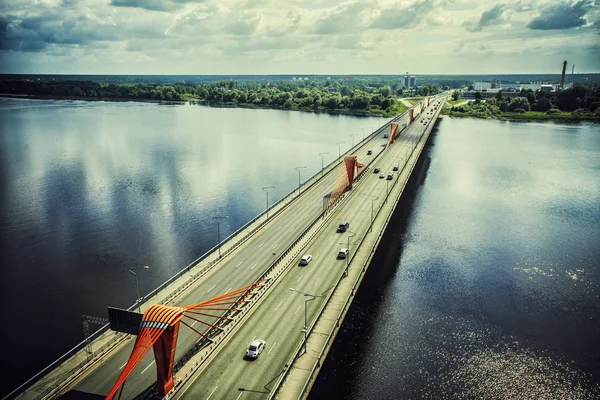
343 253
255 348
395 168
369 152
305 259
381 175
390 177
376 170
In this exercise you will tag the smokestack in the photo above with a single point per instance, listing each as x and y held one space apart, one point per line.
562 78
572 77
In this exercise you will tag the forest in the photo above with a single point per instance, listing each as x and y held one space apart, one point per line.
348 96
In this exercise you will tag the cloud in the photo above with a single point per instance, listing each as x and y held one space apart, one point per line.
564 15
154 5
495 16
409 16
345 17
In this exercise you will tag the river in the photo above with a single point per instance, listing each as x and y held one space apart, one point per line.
90 189
489 287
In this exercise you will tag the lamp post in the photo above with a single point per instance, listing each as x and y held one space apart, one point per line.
372 206
348 256
265 189
273 254
352 135
298 169
339 149
137 286
363 129
219 230
312 297
322 154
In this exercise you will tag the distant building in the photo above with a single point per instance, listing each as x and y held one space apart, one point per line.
482 85
546 88
406 81
413 81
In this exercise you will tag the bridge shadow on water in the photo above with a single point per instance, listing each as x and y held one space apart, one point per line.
338 375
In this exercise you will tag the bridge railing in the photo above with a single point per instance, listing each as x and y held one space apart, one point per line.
118 337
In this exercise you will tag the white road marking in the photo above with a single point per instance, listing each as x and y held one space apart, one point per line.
300 278
261 245
298 309
275 245
277 308
229 290
253 266
149 365
240 395
291 230
211 288
194 323
211 393
241 262
318 254
272 347
317 280
123 366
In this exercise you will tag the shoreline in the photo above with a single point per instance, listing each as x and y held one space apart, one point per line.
201 103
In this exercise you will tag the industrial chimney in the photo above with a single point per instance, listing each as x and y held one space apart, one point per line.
562 77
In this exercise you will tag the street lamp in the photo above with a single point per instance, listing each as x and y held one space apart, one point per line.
339 149
265 189
348 256
352 135
273 254
312 297
372 205
137 286
298 169
219 230
363 129
322 154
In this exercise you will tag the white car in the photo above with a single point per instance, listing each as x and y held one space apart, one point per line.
305 259
381 175
343 253
255 348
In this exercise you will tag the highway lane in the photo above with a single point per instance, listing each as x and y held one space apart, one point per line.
280 317
241 268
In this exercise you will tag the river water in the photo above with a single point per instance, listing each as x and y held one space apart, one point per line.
90 189
489 287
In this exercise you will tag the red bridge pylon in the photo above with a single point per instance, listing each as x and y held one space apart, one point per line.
351 168
393 130
160 327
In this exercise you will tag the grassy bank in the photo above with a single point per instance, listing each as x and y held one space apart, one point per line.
486 111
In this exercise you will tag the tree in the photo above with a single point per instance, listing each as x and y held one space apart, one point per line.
478 96
455 95
518 103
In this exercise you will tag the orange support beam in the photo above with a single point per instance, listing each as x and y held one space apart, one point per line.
164 354
393 130
410 116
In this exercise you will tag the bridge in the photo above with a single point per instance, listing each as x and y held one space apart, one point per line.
252 287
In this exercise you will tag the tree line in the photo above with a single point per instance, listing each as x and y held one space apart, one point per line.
363 96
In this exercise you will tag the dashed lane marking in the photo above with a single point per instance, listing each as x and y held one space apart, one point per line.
300 278
272 347
317 281
211 393
261 245
253 266
277 308
298 309
211 288
149 365
241 262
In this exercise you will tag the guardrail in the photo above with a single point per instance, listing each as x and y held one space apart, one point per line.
357 282
119 337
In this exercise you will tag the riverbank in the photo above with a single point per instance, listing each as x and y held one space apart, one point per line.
485 111
396 109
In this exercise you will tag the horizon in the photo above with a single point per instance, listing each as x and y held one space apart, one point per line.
264 37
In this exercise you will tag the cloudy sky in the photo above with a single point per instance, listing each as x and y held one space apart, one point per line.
298 36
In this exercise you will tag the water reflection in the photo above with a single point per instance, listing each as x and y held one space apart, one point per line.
89 189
